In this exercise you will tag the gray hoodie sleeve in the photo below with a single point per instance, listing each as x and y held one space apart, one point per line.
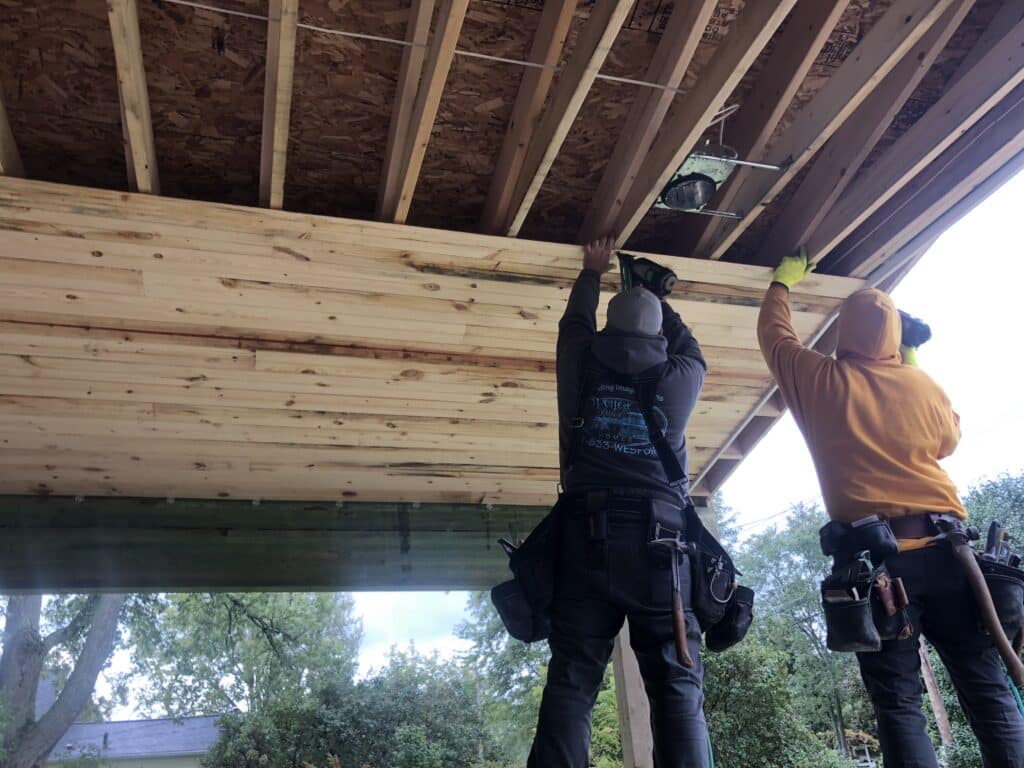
682 346
575 333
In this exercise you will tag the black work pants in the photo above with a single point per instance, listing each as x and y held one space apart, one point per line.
598 585
943 608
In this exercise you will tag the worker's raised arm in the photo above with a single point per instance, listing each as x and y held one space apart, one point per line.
578 325
682 344
787 358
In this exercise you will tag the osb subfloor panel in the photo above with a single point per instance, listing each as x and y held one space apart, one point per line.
160 347
205 73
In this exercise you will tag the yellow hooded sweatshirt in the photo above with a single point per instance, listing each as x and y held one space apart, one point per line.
876 428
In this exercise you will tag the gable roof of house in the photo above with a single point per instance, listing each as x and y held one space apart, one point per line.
139 738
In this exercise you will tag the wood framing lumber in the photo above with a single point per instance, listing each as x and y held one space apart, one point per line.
799 43
440 54
159 346
997 74
571 89
131 83
634 708
1007 17
881 49
984 155
548 42
10 158
839 160
277 99
417 32
671 60
54 544
747 37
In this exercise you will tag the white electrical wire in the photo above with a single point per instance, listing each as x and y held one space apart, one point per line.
406 43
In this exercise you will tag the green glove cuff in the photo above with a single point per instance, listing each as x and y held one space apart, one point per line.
908 355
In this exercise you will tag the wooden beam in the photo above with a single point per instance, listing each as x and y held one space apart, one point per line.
998 73
748 35
1007 17
836 165
983 155
634 708
428 98
668 66
277 99
574 83
799 43
10 158
548 42
59 544
882 48
417 32
131 83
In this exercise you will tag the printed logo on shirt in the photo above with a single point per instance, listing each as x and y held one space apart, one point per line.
614 422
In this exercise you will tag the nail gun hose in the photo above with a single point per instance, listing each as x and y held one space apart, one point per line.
989 618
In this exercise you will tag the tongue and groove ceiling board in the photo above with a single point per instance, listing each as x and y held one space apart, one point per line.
179 346
172 348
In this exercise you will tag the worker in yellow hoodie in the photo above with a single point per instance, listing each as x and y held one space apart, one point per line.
877 426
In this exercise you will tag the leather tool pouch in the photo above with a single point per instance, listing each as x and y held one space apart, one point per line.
739 614
524 603
1006 585
846 600
889 606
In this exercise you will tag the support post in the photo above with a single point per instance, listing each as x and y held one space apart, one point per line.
935 696
634 710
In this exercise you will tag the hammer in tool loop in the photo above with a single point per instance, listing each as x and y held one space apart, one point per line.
676 547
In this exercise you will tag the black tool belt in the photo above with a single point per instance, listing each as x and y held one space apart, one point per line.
863 603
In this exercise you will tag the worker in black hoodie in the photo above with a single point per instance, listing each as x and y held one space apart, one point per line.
615 488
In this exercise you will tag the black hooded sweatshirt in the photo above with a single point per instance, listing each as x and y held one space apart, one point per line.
615 449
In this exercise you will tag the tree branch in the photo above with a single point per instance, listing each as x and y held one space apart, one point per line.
77 624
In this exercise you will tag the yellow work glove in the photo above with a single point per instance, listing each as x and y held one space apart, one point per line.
793 269
908 355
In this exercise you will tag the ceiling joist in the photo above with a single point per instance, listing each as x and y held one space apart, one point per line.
747 37
799 43
882 48
548 42
671 60
991 79
397 200
131 83
574 83
417 32
836 165
277 99
10 158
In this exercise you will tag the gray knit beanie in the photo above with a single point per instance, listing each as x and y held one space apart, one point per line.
636 311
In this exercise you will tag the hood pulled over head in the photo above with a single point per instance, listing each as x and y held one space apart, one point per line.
869 327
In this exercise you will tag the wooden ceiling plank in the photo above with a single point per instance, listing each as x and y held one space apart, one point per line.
548 43
10 158
668 67
277 100
749 132
428 98
998 73
417 32
131 83
747 37
881 49
574 83
836 165
1007 17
